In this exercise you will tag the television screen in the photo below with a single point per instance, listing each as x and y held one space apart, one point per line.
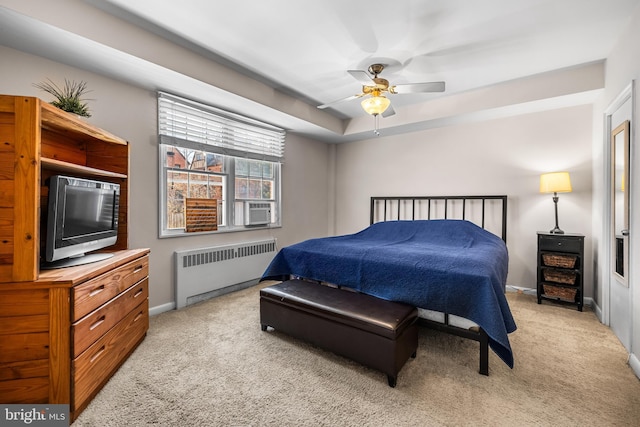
87 211
82 216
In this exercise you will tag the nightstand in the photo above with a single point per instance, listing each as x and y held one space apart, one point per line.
561 268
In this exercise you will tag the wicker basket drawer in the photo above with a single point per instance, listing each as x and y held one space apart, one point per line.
568 294
567 277
559 260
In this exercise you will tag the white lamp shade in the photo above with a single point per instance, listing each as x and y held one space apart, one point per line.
375 105
555 182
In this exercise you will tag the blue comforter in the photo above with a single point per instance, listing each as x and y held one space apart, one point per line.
451 266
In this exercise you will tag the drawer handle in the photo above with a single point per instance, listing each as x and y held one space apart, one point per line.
137 294
138 316
97 323
96 291
95 356
138 269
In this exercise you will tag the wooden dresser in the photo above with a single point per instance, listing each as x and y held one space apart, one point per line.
64 335
63 332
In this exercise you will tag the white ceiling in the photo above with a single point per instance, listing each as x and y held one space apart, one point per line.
304 48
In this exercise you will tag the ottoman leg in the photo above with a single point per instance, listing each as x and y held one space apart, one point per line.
263 327
392 380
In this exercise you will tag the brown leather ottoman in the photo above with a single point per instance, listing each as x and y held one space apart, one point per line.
374 332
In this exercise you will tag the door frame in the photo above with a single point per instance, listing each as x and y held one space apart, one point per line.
606 259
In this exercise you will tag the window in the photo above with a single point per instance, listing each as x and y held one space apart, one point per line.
254 180
206 153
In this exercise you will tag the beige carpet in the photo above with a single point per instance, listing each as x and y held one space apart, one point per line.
211 365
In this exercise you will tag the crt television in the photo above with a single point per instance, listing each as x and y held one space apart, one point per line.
82 216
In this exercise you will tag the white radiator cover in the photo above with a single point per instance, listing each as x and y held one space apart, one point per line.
199 271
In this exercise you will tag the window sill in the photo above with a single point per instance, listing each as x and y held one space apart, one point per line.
180 233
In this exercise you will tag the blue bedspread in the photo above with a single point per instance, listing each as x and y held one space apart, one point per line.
451 266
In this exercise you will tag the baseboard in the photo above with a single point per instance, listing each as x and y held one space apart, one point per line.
598 311
531 291
219 292
203 297
635 364
594 307
162 308
521 290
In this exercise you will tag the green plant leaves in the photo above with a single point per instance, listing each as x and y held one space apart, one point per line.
69 97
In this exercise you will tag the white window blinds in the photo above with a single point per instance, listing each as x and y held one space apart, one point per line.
188 123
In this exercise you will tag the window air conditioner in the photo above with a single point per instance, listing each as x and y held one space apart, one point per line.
257 213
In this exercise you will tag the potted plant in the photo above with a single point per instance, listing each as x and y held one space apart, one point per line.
69 97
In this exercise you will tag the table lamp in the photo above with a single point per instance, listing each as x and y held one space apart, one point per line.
555 182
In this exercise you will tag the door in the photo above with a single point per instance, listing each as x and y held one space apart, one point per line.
619 292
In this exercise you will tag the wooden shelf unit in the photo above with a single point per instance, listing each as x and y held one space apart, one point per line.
63 332
37 141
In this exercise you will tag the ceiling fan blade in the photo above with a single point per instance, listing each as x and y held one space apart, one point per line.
388 112
348 98
362 76
418 87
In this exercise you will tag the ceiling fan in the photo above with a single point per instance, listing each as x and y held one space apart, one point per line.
377 103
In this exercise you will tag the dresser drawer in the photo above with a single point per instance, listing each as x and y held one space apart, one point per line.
560 244
91 327
92 294
94 367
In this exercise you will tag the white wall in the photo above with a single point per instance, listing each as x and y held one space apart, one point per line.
623 66
501 156
130 112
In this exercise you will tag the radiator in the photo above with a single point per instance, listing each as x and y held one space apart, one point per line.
205 270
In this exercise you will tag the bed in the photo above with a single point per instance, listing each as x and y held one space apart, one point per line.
446 255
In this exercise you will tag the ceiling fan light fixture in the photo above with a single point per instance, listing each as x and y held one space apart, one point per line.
375 105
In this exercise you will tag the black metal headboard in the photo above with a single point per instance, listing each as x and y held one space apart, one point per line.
488 212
